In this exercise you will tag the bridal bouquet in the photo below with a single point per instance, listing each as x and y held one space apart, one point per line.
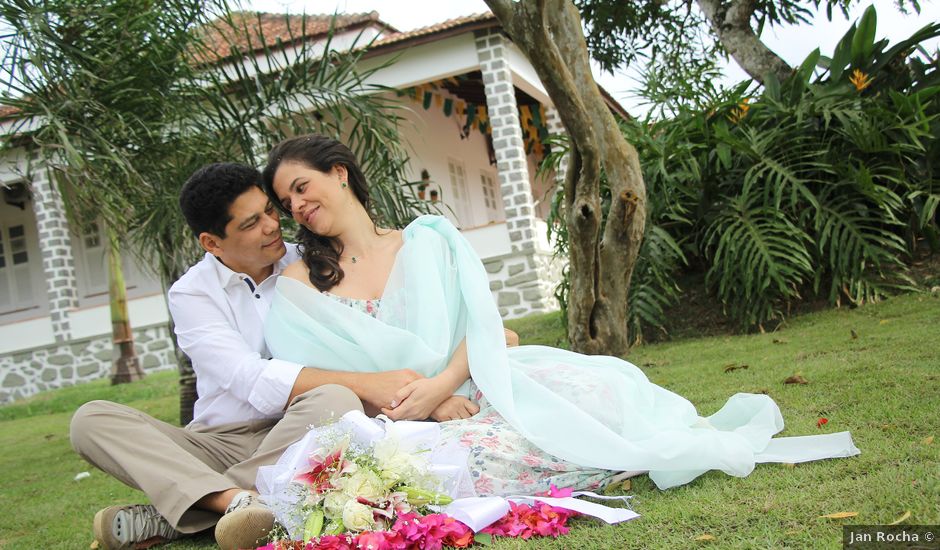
364 483
353 489
361 475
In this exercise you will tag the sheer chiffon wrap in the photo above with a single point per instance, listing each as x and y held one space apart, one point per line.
594 411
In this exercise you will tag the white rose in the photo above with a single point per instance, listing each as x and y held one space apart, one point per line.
399 467
366 484
334 503
357 516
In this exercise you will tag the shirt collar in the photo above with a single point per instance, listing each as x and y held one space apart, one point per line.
228 278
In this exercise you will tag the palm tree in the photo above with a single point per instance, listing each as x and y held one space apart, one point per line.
125 100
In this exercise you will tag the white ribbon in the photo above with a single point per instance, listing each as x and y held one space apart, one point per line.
479 512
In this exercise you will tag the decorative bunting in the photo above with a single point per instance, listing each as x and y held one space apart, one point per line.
532 118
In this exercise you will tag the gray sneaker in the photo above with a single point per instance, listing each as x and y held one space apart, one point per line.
247 521
133 527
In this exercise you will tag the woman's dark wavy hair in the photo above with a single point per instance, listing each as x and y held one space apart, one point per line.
320 254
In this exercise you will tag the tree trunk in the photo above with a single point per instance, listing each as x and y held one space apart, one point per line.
169 273
601 256
731 22
126 367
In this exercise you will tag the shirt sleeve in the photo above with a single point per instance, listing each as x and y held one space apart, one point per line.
223 359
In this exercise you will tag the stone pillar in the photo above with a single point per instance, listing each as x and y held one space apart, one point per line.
507 139
55 242
523 280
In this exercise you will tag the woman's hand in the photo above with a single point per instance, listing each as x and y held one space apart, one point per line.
378 389
418 399
455 407
512 339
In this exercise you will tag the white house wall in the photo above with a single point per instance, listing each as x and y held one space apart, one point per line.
425 63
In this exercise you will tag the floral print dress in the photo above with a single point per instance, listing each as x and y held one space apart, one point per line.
502 461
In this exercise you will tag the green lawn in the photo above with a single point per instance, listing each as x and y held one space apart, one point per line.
883 385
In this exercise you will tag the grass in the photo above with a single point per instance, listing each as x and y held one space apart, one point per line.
883 385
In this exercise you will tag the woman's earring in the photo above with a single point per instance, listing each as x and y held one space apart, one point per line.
344 184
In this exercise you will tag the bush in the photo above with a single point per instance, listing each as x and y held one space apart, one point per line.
819 186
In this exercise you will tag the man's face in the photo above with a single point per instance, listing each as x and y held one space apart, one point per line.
252 242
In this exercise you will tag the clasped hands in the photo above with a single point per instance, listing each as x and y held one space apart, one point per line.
420 398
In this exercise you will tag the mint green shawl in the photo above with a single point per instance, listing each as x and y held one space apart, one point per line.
595 411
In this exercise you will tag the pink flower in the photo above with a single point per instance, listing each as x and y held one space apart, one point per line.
555 492
333 542
451 532
377 540
322 471
410 527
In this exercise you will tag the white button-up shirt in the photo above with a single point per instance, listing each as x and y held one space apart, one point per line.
219 317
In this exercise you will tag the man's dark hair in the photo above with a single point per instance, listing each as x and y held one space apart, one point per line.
209 193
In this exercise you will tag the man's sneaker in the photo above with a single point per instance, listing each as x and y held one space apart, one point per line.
247 521
132 527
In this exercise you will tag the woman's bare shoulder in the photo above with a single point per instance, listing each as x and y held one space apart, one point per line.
297 270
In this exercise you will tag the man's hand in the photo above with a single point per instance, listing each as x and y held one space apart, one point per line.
419 399
455 407
512 339
380 389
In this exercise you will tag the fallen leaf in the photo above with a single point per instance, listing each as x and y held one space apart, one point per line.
883 322
93 545
704 538
626 485
779 341
733 367
840 515
795 379
928 440
764 391
903 517
854 334
822 422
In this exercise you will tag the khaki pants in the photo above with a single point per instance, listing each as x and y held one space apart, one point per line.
175 467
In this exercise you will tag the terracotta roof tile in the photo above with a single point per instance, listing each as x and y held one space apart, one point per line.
432 29
274 27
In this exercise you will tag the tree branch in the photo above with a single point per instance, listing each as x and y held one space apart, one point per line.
731 21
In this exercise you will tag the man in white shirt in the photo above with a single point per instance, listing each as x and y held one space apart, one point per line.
250 407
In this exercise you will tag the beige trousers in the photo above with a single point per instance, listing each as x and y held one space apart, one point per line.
175 467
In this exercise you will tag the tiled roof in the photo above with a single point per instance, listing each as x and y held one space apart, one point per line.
433 29
7 111
277 27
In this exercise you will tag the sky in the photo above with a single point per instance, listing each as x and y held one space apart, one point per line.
792 43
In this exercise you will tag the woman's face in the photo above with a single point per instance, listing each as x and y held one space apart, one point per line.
315 199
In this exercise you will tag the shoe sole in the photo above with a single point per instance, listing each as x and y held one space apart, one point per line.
106 540
244 528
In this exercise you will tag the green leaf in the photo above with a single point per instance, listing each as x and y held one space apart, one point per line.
483 539
842 55
864 40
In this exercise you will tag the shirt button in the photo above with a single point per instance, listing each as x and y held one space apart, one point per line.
257 296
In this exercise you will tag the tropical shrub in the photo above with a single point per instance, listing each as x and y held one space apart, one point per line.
819 186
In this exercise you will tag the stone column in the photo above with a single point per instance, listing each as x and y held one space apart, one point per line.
523 280
507 139
58 264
